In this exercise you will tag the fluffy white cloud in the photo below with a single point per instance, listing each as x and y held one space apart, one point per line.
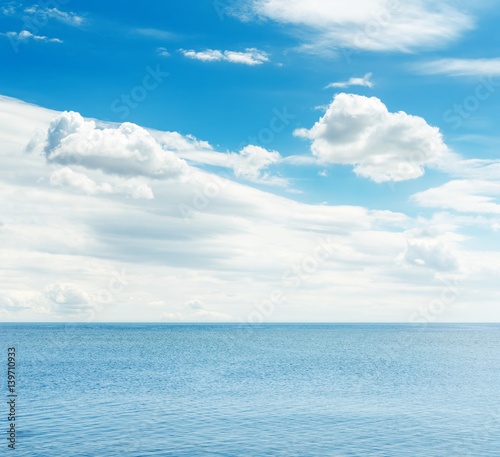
68 299
128 150
376 25
461 67
66 177
471 196
58 300
364 81
251 160
26 35
430 249
75 256
251 56
381 145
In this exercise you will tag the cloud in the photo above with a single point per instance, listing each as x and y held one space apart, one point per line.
460 67
128 150
68 299
430 249
374 25
58 299
162 52
62 16
251 56
251 160
156 33
8 9
195 311
234 248
25 35
66 177
364 81
381 145
469 196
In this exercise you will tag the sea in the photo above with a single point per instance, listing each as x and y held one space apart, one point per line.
189 390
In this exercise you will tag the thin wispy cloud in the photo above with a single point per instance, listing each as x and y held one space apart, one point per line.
69 18
364 81
161 51
251 56
375 25
460 67
8 9
156 33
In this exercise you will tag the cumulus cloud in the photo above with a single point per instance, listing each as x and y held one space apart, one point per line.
26 35
430 249
251 160
66 177
80 182
62 16
58 299
235 247
251 56
364 81
466 195
68 299
128 150
381 145
375 25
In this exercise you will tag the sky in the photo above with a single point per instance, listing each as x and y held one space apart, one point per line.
249 161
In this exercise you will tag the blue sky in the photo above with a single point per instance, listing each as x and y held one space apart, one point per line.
244 85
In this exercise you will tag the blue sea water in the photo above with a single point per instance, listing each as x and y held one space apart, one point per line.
131 390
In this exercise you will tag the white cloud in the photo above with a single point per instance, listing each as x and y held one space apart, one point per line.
430 249
25 35
66 177
128 150
461 67
8 9
80 182
156 33
68 299
251 56
62 16
251 160
381 145
375 25
364 81
161 51
58 300
64 248
470 196
195 311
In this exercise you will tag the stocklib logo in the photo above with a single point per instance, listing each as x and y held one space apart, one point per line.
131 100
